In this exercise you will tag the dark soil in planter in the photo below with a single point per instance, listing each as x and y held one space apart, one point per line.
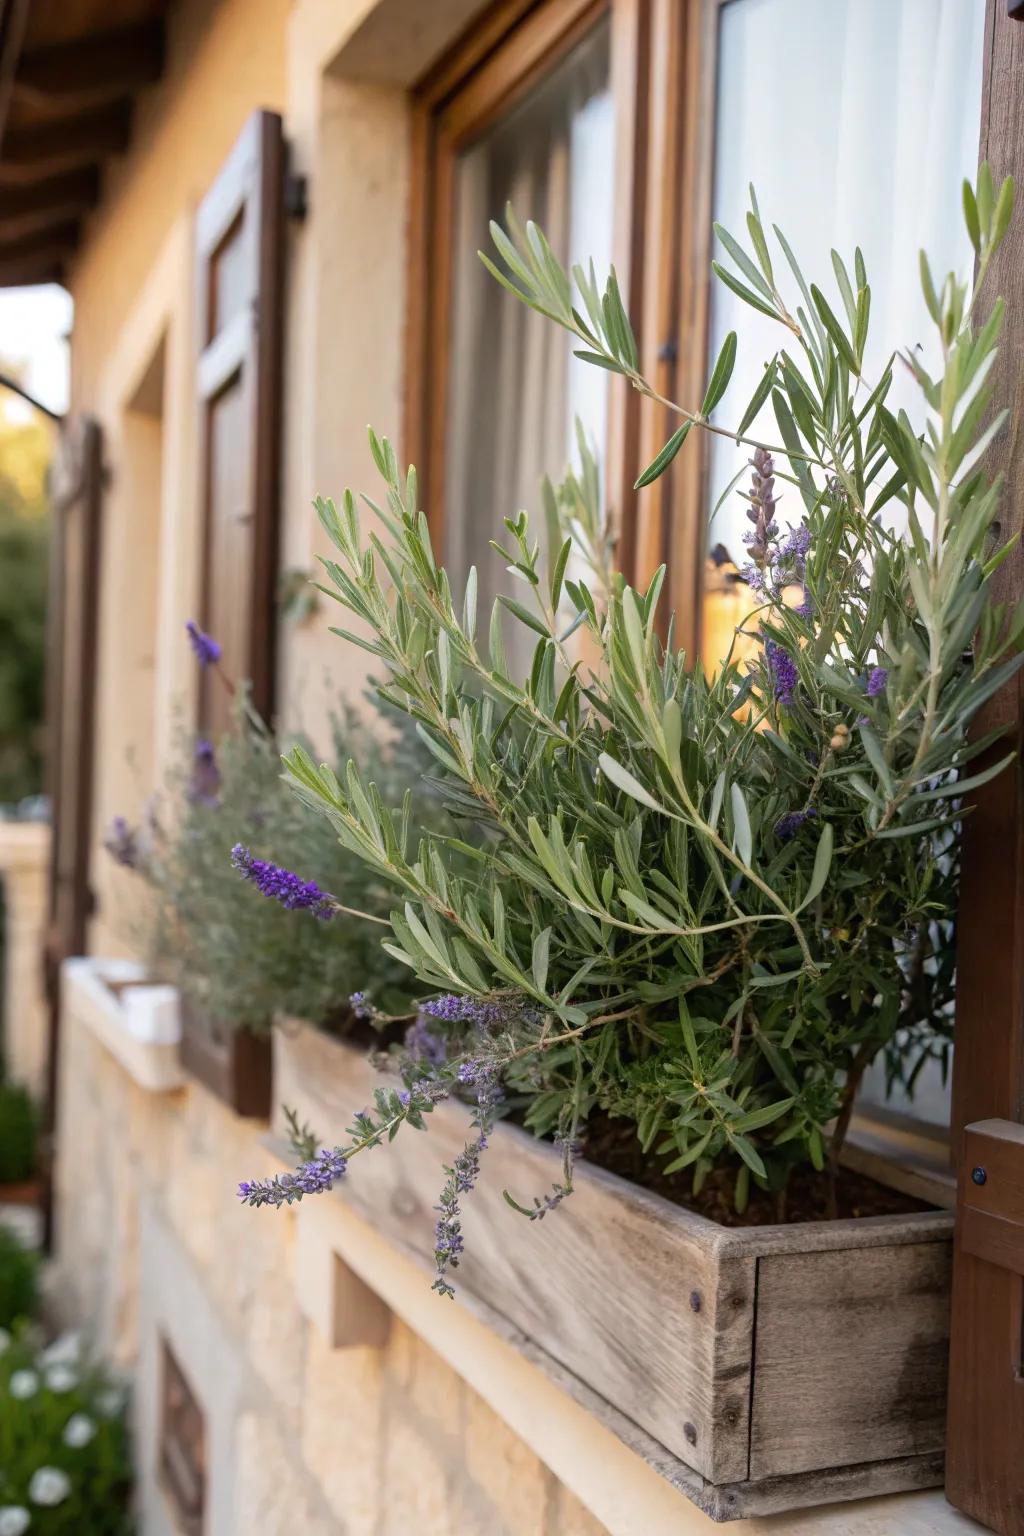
613 1144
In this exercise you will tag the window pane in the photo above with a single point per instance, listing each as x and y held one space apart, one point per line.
514 386
856 121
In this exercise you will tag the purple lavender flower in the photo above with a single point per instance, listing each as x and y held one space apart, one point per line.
484 1013
796 543
313 1178
449 1007
782 671
805 609
761 511
361 1005
789 825
122 843
204 784
206 649
425 1045
282 885
877 679
448 1240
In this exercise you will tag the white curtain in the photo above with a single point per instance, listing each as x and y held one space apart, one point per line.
514 387
856 121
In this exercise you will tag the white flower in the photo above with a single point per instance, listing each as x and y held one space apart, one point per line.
109 1402
24 1384
5 1340
65 1350
61 1378
49 1486
14 1519
78 1431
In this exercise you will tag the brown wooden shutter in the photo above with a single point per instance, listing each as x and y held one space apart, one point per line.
72 635
985 1438
239 258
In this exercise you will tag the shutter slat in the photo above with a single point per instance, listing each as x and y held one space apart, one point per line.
239 263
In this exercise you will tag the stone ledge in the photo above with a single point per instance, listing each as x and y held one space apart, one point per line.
137 1021
24 845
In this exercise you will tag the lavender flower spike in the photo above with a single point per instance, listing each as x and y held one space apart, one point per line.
204 785
313 1178
782 670
789 825
282 885
205 646
877 679
122 843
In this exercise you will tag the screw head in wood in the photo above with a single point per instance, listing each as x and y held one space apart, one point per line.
979 1176
695 1302
690 1432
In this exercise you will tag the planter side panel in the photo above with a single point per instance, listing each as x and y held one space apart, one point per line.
850 1357
629 1294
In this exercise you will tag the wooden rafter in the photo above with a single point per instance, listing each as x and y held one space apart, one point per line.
45 249
65 106
82 138
37 205
121 60
13 20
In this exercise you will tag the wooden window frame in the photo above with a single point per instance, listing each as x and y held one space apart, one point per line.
182 1447
486 72
985 1427
250 185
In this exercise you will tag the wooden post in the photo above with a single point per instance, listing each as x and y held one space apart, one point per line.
984 1458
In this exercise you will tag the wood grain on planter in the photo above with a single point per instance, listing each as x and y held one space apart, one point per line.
850 1359
653 1307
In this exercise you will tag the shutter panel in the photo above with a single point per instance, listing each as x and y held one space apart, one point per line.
72 634
985 1437
73 617
239 258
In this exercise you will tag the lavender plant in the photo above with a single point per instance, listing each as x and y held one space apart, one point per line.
227 825
703 903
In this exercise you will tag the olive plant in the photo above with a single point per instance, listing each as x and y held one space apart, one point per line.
703 902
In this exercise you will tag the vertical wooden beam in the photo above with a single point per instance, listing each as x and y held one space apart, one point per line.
13 21
985 1463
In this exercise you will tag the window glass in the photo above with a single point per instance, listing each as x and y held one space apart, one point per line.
856 121
514 386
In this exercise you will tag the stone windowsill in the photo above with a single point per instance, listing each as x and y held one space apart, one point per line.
137 1021
23 845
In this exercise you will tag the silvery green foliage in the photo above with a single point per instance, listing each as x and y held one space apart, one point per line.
718 898
239 957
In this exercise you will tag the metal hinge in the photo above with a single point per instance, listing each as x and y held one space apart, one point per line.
991 1215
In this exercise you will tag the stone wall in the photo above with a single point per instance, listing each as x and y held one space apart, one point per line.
153 1245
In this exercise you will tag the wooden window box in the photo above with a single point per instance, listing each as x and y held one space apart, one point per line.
234 1064
757 1369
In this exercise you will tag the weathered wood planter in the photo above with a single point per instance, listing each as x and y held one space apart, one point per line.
235 1064
758 1369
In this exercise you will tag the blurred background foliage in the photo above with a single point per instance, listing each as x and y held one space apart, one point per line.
26 445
